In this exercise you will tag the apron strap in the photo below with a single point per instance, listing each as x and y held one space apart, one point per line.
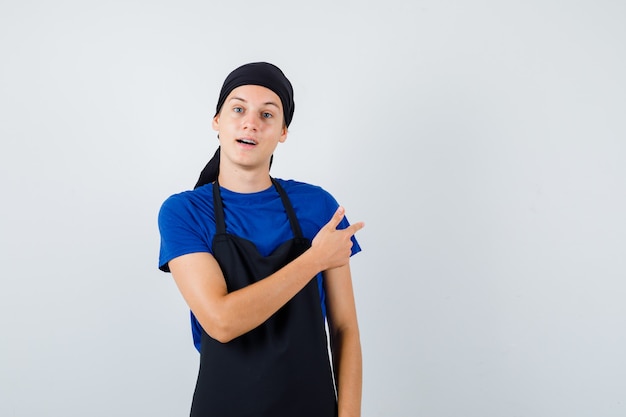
295 225
218 209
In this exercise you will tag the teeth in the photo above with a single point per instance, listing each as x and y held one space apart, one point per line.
249 142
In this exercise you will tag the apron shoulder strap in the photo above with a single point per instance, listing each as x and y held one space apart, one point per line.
293 220
218 209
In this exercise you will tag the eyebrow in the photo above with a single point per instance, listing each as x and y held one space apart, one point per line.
267 103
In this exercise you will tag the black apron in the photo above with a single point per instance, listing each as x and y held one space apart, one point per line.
281 368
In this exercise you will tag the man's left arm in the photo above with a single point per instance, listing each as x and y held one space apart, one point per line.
345 339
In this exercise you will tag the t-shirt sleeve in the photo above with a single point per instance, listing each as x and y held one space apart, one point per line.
180 232
332 205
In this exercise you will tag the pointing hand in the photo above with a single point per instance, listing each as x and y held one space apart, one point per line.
333 247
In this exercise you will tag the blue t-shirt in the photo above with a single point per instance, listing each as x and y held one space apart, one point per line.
187 222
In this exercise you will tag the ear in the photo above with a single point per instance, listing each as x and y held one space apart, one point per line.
283 134
216 122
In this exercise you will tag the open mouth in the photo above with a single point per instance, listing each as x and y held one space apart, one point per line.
246 141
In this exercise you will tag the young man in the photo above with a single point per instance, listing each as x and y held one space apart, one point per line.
262 262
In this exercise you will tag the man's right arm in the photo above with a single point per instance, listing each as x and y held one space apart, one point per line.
225 316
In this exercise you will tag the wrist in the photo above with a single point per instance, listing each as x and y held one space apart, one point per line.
312 262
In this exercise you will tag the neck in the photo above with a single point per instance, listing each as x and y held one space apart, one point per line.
242 181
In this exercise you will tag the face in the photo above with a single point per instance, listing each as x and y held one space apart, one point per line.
250 126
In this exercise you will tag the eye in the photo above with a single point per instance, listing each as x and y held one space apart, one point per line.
238 109
267 115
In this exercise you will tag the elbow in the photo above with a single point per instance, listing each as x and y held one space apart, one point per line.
221 336
345 334
219 328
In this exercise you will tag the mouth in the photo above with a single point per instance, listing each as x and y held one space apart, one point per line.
247 141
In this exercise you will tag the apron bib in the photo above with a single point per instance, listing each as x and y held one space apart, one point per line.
281 368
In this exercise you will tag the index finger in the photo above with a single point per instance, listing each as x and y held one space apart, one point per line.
353 228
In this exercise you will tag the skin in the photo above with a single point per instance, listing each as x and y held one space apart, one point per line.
250 126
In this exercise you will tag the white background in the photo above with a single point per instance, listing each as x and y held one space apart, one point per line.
482 142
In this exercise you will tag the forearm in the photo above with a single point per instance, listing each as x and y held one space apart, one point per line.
347 362
240 311
225 316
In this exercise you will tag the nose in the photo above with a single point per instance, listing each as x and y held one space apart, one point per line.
251 121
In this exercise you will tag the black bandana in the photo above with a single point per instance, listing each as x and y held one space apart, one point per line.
263 74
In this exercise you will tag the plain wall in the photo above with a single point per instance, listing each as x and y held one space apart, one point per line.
482 142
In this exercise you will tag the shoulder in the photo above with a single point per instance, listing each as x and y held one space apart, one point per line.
187 203
201 195
298 189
